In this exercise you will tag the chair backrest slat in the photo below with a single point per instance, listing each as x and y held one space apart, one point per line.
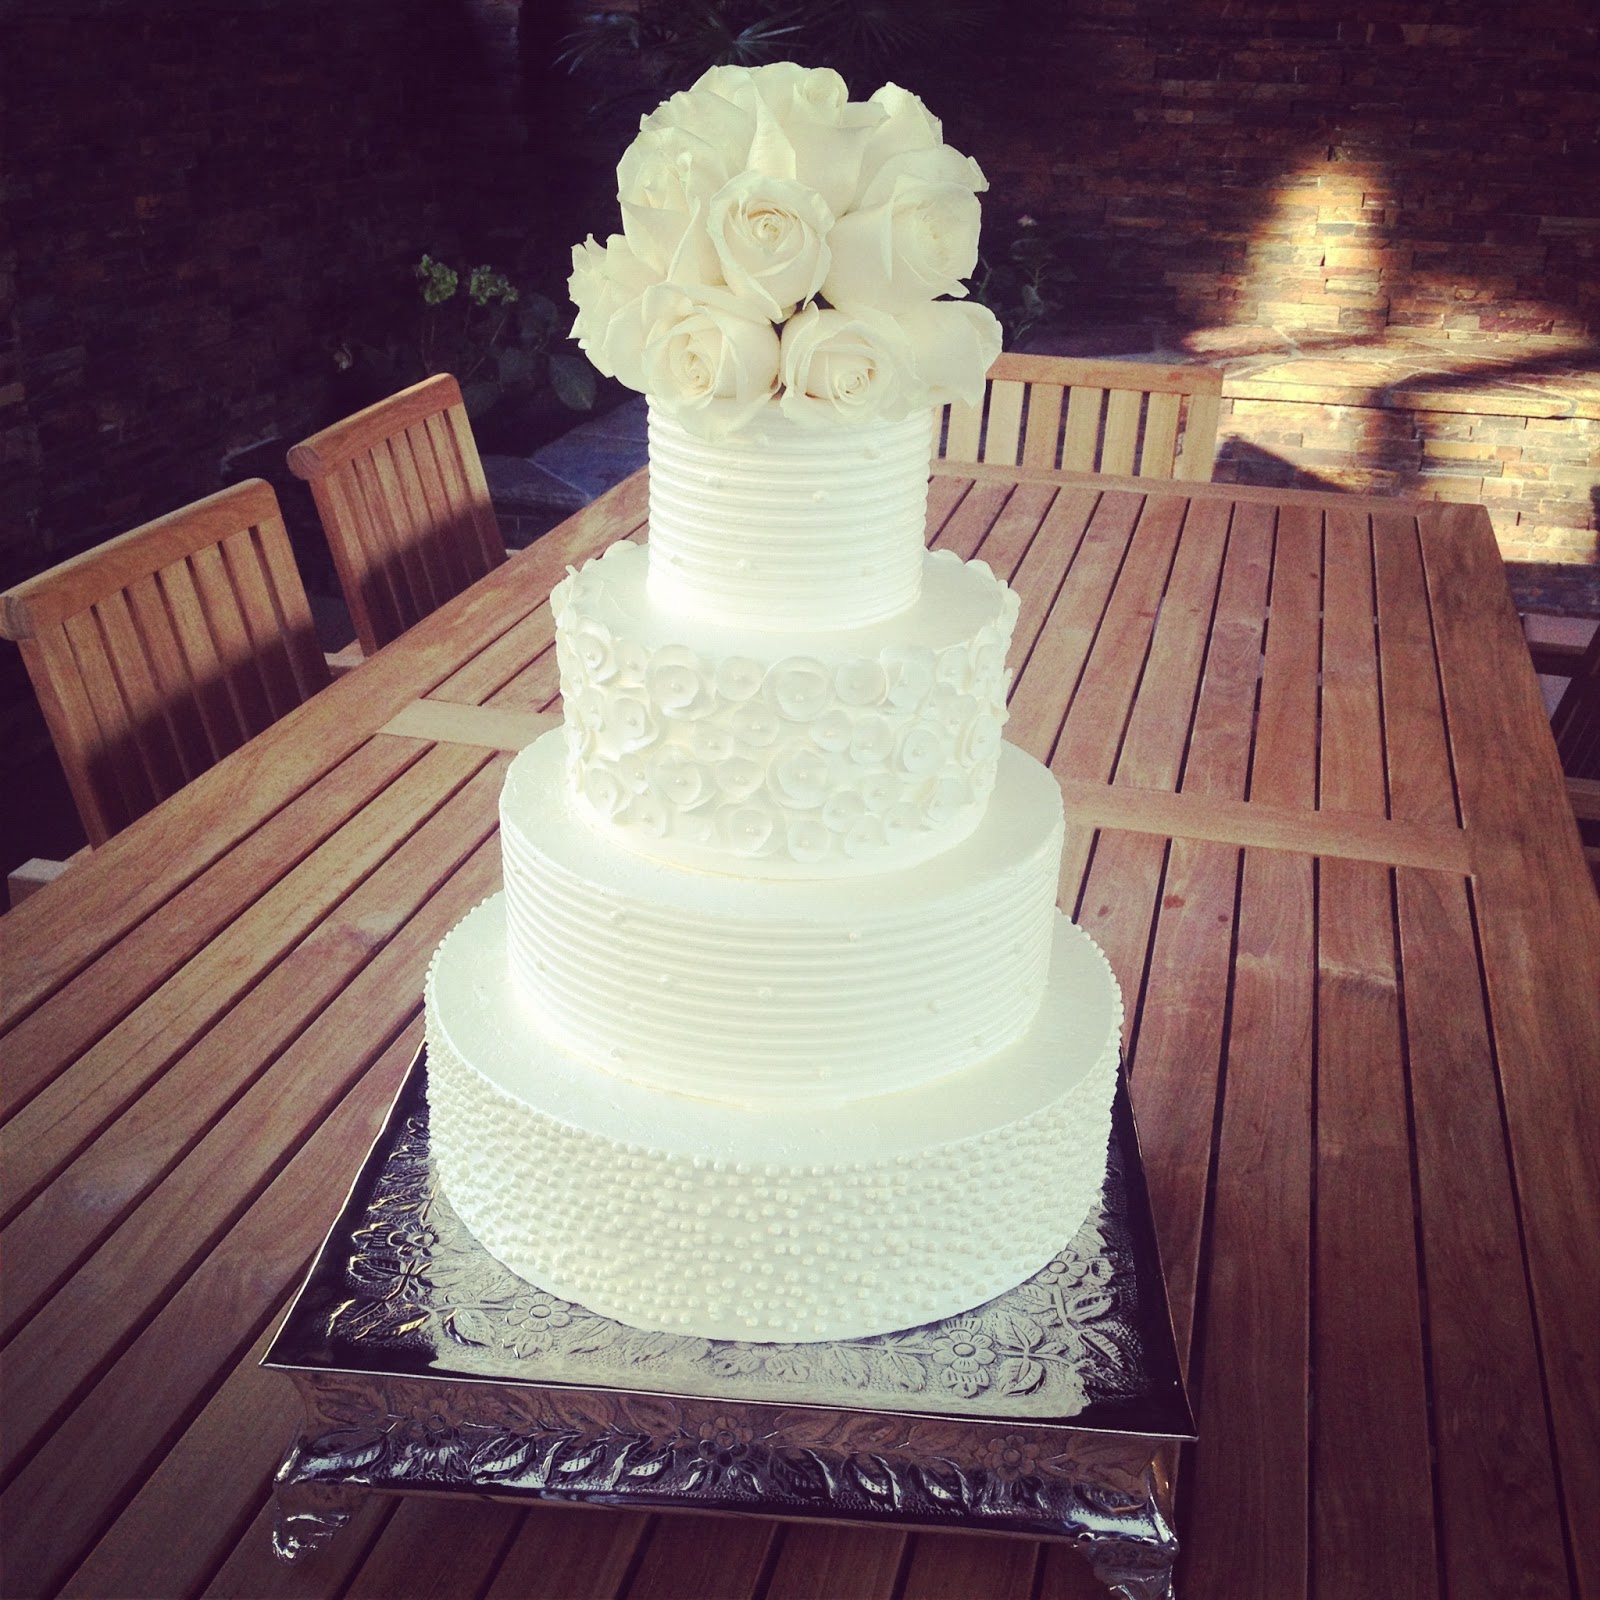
121 770
405 506
1199 453
963 431
1120 447
1081 444
1042 443
127 663
1004 428
1121 417
184 752
1575 722
1161 417
159 652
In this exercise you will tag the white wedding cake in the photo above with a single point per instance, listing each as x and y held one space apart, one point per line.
775 1032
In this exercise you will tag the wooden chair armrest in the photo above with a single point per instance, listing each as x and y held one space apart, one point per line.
1555 659
1584 793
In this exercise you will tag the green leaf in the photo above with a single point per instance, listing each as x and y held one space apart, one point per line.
515 365
573 380
479 397
438 282
536 317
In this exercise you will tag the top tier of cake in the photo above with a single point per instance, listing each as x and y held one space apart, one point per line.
789 528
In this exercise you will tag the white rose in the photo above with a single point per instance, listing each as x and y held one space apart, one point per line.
768 234
607 285
782 86
839 366
907 125
710 357
912 237
953 343
715 127
666 179
663 199
806 126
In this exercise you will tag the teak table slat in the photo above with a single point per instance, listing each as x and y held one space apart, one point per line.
1315 819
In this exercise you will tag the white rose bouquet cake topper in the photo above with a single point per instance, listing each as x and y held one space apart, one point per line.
785 245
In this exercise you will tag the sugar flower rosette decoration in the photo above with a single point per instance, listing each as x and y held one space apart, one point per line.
783 245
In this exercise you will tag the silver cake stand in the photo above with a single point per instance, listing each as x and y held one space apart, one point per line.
425 1366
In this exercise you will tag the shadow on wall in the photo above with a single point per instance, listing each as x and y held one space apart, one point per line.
1329 181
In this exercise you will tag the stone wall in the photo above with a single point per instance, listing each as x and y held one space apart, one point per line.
196 196
1335 170
1406 191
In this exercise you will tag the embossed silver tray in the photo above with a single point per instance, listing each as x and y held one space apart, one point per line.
423 1364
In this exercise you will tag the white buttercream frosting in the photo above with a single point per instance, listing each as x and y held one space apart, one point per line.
784 753
775 1033
783 526
761 993
789 1223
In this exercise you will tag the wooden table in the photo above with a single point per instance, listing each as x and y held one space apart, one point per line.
1316 822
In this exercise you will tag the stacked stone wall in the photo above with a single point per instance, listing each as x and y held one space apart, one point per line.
1329 169
1284 182
195 195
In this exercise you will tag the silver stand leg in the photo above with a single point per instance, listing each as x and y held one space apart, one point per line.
308 1515
1131 1546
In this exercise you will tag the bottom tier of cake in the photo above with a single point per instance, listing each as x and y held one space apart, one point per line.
692 1217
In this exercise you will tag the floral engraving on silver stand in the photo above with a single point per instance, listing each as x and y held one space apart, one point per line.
424 1364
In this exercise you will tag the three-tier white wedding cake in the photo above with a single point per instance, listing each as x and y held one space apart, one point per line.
775 1032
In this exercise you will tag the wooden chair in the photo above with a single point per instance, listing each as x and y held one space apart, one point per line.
1060 414
402 497
1575 725
159 652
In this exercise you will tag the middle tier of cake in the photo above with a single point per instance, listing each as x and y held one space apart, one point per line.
757 993
774 753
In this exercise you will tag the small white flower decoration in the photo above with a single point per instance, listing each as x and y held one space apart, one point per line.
799 688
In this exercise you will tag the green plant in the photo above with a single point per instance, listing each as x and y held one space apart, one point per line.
497 339
1023 276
